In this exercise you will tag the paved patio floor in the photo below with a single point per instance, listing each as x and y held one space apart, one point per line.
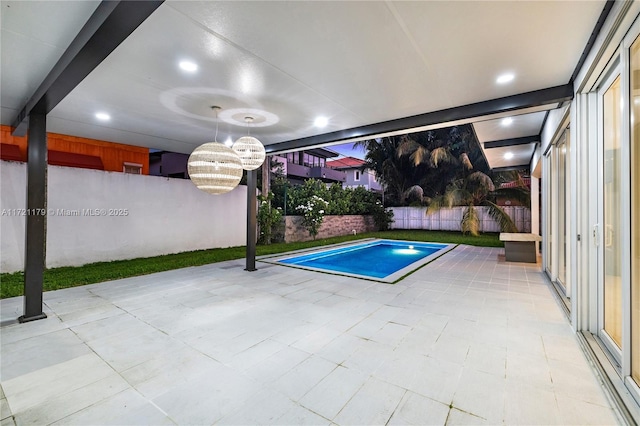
465 340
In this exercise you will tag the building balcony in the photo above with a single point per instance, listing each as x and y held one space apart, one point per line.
298 171
328 175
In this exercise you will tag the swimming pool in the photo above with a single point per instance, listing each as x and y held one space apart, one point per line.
382 260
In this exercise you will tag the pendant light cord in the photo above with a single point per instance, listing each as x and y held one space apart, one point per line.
215 138
248 120
216 109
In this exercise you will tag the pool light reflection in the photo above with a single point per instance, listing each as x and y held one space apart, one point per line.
409 250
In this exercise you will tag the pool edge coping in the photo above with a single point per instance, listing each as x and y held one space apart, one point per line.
389 279
312 249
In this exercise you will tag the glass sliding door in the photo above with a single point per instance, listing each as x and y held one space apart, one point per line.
563 146
611 272
550 162
635 209
611 194
612 256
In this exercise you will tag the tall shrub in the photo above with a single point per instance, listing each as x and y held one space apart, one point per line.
268 218
338 201
313 214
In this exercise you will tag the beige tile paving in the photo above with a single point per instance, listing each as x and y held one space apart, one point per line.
464 340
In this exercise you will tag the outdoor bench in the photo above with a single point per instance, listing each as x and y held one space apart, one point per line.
520 247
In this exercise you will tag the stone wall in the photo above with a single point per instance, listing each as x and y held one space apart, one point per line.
332 226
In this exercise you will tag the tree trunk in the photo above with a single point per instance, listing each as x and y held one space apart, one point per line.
266 175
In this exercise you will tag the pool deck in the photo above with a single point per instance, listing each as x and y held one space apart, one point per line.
464 340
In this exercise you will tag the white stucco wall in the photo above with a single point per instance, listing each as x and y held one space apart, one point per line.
367 180
162 216
536 173
535 205
552 127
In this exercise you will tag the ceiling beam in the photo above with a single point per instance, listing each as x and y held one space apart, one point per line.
592 39
477 141
511 142
109 25
507 104
510 168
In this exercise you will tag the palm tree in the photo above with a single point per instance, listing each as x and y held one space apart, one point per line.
428 160
442 156
395 173
478 189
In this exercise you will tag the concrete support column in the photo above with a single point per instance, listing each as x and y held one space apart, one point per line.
535 208
36 219
252 227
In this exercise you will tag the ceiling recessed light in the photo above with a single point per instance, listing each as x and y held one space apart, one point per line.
508 155
505 78
321 122
188 66
102 116
507 121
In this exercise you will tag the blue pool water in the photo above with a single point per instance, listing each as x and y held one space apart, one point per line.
377 259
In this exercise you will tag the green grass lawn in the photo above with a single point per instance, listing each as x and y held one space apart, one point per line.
13 284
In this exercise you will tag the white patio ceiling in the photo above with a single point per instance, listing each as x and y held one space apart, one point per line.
513 127
287 63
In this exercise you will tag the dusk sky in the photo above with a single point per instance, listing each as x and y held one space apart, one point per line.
348 151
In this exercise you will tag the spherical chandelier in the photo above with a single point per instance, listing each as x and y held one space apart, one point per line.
214 167
250 150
